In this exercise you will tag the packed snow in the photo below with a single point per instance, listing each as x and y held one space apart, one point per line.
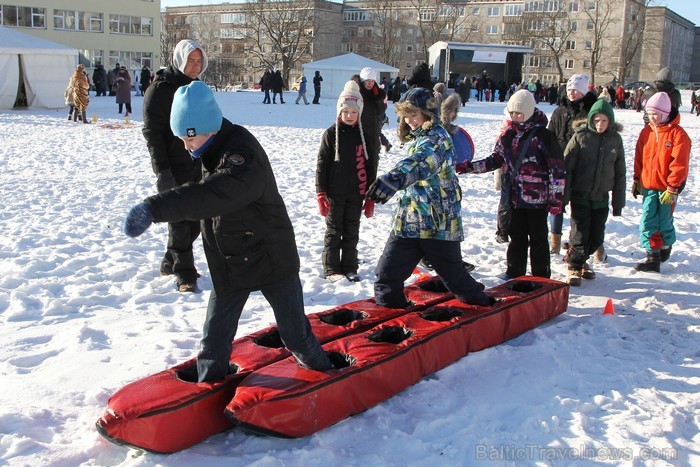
84 311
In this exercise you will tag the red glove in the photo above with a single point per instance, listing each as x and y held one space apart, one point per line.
368 208
464 168
323 205
554 210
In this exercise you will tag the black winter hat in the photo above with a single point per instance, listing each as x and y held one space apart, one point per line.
421 98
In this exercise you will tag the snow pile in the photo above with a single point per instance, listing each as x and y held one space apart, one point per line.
84 311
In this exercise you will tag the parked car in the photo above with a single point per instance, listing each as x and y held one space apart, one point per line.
637 85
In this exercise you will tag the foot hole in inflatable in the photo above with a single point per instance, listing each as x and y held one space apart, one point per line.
271 340
391 334
524 286
341 360
342 317
433 285
440 314
190 375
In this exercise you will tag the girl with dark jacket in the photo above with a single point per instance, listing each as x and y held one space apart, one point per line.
344 171
595 165
247 234
535 189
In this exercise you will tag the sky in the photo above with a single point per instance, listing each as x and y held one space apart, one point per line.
84 311
686 8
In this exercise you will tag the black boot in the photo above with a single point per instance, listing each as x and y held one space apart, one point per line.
652 263
665 254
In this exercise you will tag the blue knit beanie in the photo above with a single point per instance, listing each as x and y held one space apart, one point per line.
195 111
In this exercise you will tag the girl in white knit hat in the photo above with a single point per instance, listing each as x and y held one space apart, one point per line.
344 171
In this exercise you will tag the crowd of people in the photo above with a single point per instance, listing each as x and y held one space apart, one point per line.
117 82
213 177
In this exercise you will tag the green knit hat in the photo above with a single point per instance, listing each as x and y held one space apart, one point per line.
601 107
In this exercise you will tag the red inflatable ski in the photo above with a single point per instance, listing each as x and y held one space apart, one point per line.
283 399
169 411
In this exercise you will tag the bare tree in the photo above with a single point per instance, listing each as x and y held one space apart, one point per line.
601 14
549 29
437 20
167 39
281 32
388 29
633 37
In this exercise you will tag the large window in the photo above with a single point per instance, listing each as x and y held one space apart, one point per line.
77 20
131 60
355 15
513 10
21 16
233 18
90 58
136 25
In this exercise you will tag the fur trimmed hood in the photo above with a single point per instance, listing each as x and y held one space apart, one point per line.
449 106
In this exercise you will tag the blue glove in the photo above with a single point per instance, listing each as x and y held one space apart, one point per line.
138 220
385 187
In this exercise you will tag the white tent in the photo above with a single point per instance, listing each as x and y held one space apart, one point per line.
44 67
336 71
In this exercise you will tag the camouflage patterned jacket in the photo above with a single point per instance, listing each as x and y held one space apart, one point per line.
430 205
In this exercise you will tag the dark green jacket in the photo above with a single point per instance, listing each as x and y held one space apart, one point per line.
595 166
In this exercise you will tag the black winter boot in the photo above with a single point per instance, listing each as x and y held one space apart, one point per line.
665 253
652 263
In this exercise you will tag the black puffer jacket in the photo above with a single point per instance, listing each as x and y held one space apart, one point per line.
564 115
167 151
248 237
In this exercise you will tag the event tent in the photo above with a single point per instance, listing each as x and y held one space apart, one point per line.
41 66
336 71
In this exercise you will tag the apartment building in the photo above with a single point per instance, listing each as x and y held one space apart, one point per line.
611 40
241 43
124 31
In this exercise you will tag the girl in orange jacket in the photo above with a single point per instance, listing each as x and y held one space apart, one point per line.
660 171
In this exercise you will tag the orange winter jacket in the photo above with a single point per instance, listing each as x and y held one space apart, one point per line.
662 155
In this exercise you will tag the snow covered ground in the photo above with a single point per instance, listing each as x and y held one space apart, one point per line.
84 311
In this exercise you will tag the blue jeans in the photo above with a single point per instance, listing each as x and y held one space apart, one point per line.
287 302
556 222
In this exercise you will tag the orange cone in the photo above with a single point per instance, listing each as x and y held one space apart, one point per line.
609 308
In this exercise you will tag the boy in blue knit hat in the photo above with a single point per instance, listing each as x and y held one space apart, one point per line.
248 237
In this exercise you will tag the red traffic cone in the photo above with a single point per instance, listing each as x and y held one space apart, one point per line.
609 308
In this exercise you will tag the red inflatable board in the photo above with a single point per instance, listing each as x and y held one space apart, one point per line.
170 411
285 400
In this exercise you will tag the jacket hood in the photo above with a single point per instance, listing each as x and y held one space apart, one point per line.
449 105
183 50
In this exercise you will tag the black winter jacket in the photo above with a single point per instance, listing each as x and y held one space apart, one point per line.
167 151
352 173
373 116
564 115
248 237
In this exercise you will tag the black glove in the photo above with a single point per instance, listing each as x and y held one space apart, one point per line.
138 220
617 212
165 181
385 187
